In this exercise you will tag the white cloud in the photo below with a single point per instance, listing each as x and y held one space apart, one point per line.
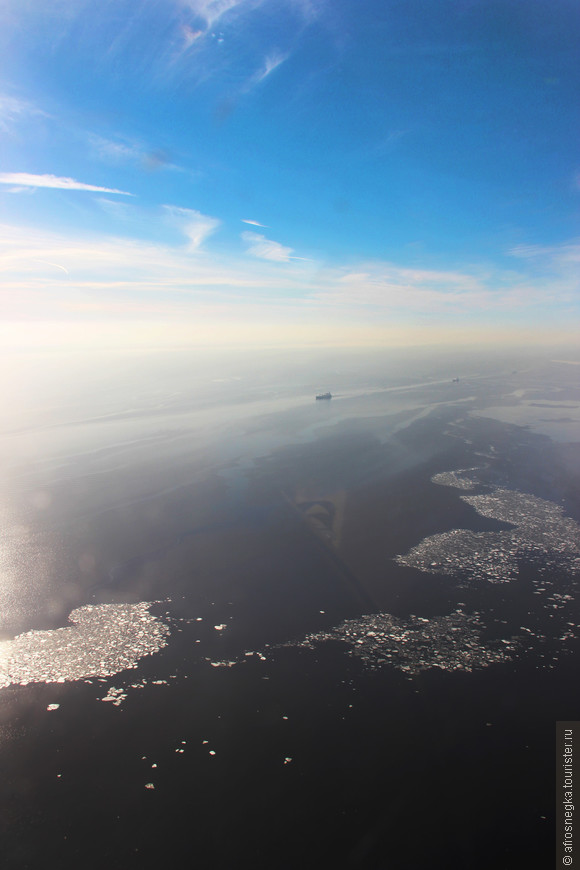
13 110
254 223
123 150
56 265
212 10
189 35
117 209
26 179
28 190
56 276
550 256
428 292
116 150
195 225
265 249
272 62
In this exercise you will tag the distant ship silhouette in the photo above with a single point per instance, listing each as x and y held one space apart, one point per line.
324 396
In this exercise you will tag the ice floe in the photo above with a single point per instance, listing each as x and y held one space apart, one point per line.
541 532
101 641
415 644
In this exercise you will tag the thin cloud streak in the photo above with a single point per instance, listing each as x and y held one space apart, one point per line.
254 223
122 150
266 249
56 265
210 11
271 63
54 182
13 110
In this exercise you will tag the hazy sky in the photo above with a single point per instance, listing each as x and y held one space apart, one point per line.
289 170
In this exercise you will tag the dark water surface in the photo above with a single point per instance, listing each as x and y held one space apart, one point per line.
296 694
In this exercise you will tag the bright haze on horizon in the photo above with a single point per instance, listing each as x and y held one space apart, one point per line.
288 172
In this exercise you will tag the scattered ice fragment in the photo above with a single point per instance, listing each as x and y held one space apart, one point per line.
212 752
115 696
287 760
52 707
149 785
153 765
220 627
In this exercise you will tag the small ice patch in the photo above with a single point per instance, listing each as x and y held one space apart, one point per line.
115 696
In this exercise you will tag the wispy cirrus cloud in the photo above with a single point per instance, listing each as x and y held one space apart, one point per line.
189 36
122 150
14 109
271 63
193 224
216 24
118 210
554 271
116 150
390 287
481 289
254 223
210 11
549 255
266 249
47 274
52 275
56 265
55 182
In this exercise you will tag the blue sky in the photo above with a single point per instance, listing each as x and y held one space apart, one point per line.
290 171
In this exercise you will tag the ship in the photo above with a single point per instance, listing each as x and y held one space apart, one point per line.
324 396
